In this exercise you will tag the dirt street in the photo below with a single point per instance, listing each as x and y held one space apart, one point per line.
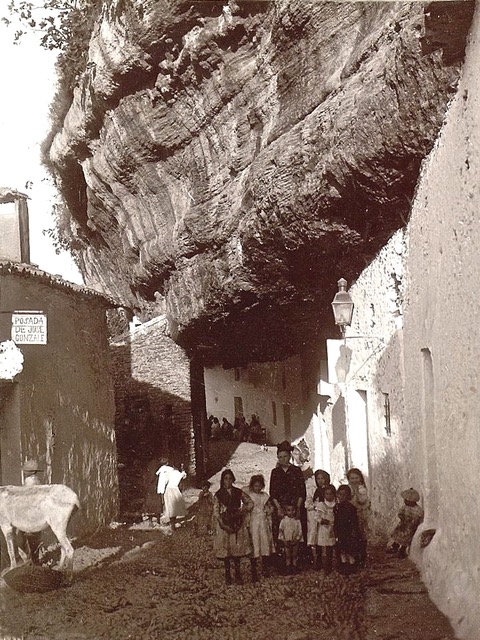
134 582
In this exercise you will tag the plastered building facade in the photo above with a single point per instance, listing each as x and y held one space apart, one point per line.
59 409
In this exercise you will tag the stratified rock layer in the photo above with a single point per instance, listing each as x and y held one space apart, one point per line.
239 158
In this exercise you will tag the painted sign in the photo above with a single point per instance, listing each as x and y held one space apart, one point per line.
29 328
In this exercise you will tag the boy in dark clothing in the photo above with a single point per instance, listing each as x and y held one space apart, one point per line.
347 529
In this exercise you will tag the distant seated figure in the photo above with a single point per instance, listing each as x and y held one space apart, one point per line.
227 429
243 427
216 429
257 433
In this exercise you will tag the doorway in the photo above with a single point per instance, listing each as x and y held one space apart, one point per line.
10 440
287 422
428 411
357 425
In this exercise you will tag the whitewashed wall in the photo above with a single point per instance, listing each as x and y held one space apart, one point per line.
365 369
442 352
420 297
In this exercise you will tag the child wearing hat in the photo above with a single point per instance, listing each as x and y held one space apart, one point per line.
410 516
32 471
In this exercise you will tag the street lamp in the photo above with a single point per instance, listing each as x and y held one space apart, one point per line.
342 306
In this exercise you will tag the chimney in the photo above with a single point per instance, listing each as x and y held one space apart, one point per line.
14 231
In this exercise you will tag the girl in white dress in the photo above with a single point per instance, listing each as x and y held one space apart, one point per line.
325 540
260 525
322 480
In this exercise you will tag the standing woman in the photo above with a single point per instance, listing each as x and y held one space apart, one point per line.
232 537
169 479
287 486
361 501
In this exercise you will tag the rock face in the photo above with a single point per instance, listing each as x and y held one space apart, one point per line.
233 160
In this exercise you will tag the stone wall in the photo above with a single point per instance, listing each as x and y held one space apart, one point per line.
60 408
153 410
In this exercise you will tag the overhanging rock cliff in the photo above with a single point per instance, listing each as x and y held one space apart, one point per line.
235 159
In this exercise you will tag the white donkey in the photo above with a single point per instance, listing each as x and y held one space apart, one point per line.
35 508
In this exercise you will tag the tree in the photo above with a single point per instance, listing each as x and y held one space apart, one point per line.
58 22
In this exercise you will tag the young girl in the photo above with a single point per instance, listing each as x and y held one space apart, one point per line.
260 525
410 515
290 533
346 528
361 502
325 536
232 538
322 479
204 509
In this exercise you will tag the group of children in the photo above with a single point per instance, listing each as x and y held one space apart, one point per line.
337 525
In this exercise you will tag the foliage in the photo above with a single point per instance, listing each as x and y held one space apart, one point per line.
56 21
52 19
62 25
60 235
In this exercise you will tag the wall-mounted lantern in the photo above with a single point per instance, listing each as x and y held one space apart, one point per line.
342 306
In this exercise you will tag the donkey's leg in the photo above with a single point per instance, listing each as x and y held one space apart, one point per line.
66 555
7 530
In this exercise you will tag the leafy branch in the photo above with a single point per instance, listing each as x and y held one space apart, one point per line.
55 20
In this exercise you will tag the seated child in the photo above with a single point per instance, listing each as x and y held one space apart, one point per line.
290 533
204 509
410 516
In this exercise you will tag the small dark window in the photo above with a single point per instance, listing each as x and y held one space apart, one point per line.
386 413
237 373
284 378
287 422
274 412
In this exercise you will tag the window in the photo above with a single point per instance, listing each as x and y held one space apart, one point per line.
287 422
386 413
236 373
274 412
